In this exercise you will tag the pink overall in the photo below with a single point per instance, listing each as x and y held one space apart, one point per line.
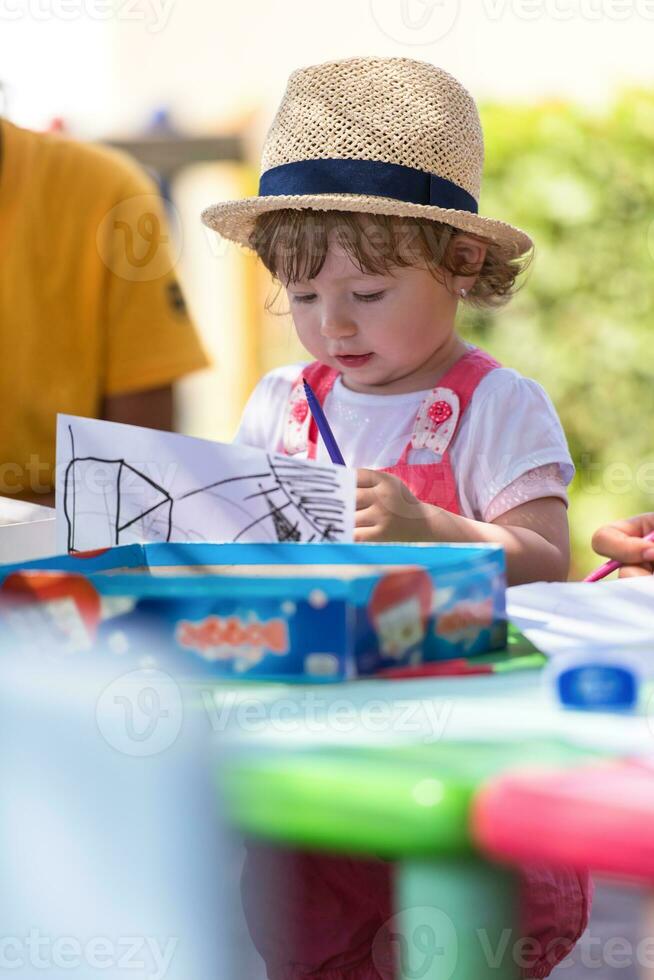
314 916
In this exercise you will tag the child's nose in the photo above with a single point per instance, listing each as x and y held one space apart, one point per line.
333 327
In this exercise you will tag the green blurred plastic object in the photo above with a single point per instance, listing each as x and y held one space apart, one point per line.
452 920
388 802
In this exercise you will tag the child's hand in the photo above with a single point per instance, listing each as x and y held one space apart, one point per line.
386 510
623 541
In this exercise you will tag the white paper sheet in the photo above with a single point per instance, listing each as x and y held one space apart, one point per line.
564 616
120 484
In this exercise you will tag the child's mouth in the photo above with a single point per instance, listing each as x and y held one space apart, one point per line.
354 360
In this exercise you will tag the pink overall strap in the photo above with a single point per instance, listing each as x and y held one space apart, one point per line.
464 376
441 411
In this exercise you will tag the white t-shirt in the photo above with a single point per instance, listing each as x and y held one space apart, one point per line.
510 429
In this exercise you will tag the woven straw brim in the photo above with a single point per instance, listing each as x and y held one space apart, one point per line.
235 220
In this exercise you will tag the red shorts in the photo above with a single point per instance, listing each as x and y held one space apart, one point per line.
322 917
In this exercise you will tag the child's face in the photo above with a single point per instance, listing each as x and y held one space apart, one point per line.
384 333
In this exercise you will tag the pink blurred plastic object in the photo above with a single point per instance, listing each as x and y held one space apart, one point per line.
598 817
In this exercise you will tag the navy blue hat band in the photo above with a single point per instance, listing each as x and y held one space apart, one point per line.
371 178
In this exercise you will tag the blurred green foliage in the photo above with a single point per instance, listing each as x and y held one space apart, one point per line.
581 184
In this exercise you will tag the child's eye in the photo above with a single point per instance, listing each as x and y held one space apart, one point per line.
369 297
364 297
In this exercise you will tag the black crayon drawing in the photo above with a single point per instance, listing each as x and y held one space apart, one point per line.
109 498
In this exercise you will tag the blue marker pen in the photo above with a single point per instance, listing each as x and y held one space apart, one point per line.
323 426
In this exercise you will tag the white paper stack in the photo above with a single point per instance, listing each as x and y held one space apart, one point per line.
561 617
27 531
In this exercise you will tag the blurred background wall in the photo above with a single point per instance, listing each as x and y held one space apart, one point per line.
566 92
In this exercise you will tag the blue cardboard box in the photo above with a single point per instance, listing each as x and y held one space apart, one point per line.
302 611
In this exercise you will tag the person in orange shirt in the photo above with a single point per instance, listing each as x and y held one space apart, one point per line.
92 318
624 541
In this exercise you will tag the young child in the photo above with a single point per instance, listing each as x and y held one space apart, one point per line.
367 215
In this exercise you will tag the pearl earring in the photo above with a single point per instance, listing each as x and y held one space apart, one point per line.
462 291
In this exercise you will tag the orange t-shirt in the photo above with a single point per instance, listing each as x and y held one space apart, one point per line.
90 305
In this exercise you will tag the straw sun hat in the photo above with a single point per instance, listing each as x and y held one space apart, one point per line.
390 136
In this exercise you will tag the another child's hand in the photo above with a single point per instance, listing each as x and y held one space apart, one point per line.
623 541
386 510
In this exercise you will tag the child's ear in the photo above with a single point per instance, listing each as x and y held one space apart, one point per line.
469 250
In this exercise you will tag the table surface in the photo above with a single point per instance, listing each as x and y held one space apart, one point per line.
515 706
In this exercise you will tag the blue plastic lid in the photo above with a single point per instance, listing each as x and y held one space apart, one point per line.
598 687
